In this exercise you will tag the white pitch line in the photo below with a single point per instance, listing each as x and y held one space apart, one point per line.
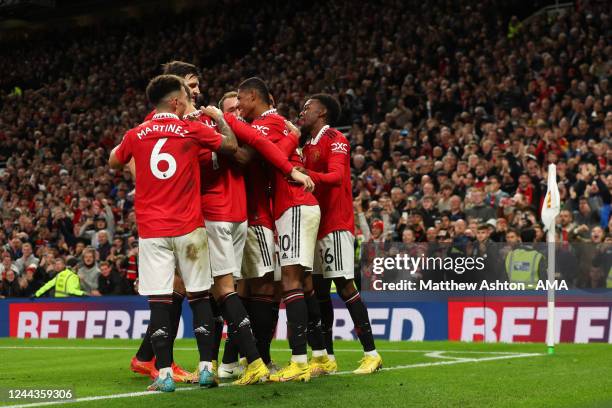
400 367
272 349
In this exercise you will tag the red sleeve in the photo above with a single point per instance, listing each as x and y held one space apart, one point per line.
205 135
338 156
247 134
124 151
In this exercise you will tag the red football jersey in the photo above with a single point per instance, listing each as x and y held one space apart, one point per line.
222 191
165 150
259 193
223 197
327 158
285 194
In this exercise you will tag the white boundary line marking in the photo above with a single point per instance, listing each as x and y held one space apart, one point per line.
400 367
343 350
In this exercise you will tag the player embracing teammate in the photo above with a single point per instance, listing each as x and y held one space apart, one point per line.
327 159
281 200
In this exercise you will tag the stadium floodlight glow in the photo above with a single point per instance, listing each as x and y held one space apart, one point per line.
550 210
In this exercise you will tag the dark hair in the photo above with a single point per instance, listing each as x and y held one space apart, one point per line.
179 68
528 234
331 105
512 230
162 85
259 86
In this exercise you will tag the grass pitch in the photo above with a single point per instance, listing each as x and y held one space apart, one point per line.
432 374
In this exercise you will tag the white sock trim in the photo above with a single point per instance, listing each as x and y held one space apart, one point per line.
163 372
300 358
228 366
372 353
331 357
319 353
205 365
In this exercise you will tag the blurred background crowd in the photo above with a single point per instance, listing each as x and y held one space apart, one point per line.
453 109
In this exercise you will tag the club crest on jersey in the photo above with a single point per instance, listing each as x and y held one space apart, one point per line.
314 157
338 147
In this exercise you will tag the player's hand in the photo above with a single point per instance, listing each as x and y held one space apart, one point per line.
293 129
212 111
303 179
301 169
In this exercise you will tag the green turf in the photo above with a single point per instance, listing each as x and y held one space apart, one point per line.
575 376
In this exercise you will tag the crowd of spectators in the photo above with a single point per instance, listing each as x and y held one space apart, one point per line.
453 110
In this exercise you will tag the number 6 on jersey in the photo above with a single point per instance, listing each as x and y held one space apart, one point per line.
157 157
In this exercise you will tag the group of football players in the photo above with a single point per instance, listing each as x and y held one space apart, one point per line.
239 210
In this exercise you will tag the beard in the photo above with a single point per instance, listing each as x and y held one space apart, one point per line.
304 135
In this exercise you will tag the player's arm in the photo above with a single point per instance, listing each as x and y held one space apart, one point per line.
268 150
334 174
121 154
244 155
132 167
335 166
252 137
229 144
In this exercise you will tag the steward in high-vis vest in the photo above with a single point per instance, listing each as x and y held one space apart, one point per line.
525 264
66 283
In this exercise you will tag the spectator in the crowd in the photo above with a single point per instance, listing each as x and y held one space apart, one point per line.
7 264
10 285
585 215
13 247
104 246
88 272
110 282
26 259
479 210
30 282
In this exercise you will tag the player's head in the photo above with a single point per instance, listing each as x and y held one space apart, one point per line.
253 93
188 72
229 103
167 93
320 109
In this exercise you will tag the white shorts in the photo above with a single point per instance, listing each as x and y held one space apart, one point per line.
297 231
226 241
335 255
259 253
159 257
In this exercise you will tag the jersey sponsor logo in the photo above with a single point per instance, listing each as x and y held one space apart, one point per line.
263 129
339 147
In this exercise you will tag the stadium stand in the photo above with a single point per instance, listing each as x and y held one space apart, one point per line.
453 111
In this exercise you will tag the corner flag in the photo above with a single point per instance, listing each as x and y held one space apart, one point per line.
552 205
550 209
